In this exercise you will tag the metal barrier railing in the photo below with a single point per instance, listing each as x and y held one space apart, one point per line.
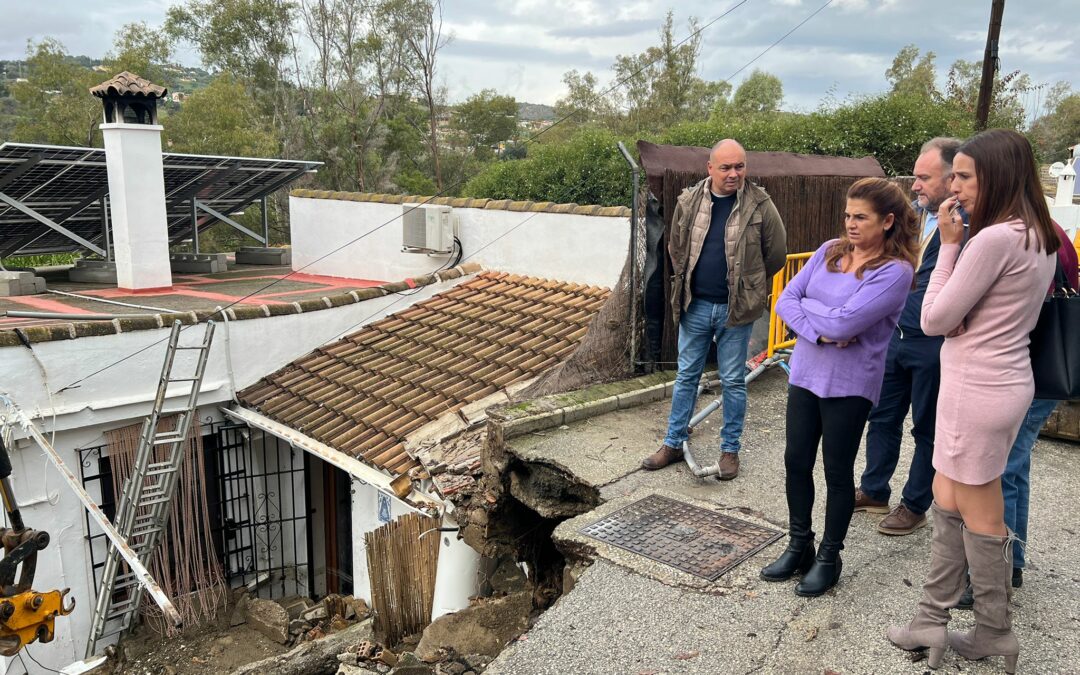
777 328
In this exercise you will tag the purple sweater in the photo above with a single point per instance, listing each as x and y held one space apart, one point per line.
838 306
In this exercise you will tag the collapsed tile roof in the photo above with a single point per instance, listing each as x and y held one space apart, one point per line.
364 394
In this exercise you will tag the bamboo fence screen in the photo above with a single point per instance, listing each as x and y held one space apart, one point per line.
401 567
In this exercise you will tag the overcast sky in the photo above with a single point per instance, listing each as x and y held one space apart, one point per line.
523 47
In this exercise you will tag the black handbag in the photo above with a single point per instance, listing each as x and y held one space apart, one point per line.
1055 343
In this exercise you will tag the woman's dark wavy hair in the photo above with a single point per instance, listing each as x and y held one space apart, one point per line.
1009 187
901 240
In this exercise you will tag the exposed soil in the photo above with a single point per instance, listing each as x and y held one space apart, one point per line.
204 650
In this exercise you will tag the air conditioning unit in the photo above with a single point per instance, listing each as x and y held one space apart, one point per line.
427 228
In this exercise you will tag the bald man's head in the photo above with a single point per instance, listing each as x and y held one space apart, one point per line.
727 167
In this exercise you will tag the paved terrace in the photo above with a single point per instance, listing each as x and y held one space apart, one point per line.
628 614
247 285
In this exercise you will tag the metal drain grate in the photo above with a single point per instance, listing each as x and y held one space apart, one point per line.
689 538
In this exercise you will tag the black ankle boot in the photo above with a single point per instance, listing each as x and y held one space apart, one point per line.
796 559
822 575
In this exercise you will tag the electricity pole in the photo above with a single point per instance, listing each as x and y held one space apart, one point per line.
989 65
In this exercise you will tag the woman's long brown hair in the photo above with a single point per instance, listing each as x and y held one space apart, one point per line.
901 240
1009 187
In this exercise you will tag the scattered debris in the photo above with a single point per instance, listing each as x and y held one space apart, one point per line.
270 619
482 628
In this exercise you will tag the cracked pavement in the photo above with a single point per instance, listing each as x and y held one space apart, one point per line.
628 614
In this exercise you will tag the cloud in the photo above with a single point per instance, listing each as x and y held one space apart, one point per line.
609 29
487 51
1040 50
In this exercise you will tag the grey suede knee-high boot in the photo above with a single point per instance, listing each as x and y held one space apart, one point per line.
943 586
990 563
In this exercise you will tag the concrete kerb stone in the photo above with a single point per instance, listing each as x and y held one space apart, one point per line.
591 409
547 412
651 394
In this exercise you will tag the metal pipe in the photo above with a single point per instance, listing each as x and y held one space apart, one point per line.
265 223
113 302
194 227
631 310
105 227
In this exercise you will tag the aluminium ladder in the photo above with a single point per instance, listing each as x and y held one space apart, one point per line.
143 511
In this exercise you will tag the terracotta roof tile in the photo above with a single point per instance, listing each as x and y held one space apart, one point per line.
129 84
365 393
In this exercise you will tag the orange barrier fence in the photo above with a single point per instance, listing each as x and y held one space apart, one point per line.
777 328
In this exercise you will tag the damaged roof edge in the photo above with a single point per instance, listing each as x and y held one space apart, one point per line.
415 500
77 329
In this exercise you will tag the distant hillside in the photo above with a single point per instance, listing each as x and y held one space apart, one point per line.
534 112
183 78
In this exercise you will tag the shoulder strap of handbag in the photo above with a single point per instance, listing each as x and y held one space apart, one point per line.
1061 281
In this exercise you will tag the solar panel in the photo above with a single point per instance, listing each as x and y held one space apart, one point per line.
66 185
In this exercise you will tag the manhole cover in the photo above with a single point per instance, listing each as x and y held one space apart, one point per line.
689 538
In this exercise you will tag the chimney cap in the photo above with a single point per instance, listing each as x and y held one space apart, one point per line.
129 85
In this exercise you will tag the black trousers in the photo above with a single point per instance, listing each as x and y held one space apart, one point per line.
837 423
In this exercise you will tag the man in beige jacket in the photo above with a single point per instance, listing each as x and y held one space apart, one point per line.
726 243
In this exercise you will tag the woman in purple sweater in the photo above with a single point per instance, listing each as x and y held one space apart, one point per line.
843 307
985 302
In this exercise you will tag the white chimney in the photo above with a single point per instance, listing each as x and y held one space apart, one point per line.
1066 186
136 181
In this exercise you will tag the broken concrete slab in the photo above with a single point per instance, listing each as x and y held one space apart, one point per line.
295 605
317 656
269 618
594 459
315 614
551 492
482 628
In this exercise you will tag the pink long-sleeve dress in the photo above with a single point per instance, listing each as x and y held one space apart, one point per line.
986 302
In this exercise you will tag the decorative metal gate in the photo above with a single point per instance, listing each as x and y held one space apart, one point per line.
260 498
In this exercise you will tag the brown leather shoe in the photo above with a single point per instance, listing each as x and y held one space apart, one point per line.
661 458
901 521
729 465
864 503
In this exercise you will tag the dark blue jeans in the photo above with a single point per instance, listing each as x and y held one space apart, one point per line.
1015 483
701 323
912 376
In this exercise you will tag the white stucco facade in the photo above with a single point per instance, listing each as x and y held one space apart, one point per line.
568 247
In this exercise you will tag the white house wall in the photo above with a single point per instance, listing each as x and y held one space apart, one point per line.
371 509
567 247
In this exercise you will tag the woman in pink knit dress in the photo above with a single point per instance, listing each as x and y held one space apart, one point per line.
985 302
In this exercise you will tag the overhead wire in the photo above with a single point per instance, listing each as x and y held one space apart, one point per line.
530 139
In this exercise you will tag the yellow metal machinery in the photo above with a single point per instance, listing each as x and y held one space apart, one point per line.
25 614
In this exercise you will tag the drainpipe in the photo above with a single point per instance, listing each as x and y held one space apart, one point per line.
631 310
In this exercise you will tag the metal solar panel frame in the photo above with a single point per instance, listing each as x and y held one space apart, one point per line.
54 198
